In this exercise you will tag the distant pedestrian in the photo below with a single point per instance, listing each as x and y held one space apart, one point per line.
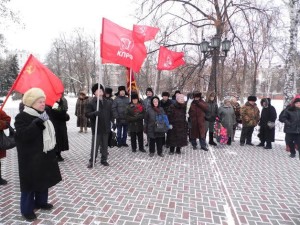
250 118
177 135
4 121
155 138
105 118
227 118
267 124
210 117
237 108
38 167
291 119
135 113
119 106
82 120
197 113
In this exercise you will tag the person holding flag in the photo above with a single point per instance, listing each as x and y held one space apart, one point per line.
101 119
38 167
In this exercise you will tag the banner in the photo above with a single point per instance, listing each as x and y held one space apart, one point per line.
169 60
118 46
144 33
35 74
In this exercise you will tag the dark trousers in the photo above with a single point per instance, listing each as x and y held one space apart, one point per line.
201 142
291 140
31 200
122 130
102 142
140 137
158 141
172 149
246 135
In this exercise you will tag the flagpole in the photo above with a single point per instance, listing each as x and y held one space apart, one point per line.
130 83
16 81
155 84
97 109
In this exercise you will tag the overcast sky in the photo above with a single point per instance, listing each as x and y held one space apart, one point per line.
44 20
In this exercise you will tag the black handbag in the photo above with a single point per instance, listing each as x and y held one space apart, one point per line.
160 127
7 142
112 140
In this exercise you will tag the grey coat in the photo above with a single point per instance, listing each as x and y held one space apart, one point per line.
149 122
227 117
119 107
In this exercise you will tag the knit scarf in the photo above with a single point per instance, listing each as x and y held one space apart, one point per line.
49 139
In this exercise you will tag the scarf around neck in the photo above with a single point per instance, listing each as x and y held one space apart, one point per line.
49 139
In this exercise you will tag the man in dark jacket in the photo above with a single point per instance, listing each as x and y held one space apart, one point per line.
291 119
119 107
267 124
104 117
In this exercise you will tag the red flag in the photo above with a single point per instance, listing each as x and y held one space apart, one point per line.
144 33
117 46
169 60
35 74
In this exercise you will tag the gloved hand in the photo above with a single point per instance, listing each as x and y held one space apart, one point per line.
170 126
44 116
39 122
96 113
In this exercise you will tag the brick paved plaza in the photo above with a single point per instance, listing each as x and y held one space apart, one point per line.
227 185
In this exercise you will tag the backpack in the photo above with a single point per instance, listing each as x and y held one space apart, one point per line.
161 124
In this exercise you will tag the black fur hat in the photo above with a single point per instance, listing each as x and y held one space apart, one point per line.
197 94
134 95
95 88
121 88
165 93
108 90
252 98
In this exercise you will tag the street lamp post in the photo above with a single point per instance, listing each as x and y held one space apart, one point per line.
213 48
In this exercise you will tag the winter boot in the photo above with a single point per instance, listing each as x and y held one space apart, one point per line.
211 139
268 145
229 141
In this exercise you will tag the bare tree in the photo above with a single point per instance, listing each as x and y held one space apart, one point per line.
218 18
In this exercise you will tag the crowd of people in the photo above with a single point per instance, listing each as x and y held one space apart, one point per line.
171 122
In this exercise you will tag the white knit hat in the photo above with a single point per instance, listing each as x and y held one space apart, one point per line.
32 95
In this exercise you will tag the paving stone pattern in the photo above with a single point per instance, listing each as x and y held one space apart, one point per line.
227 185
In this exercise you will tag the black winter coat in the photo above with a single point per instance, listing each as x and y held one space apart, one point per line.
268 114
165 104
59 119
177 136
135 116
291 119
105 117
37 170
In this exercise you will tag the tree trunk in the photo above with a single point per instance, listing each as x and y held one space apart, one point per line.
289 89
